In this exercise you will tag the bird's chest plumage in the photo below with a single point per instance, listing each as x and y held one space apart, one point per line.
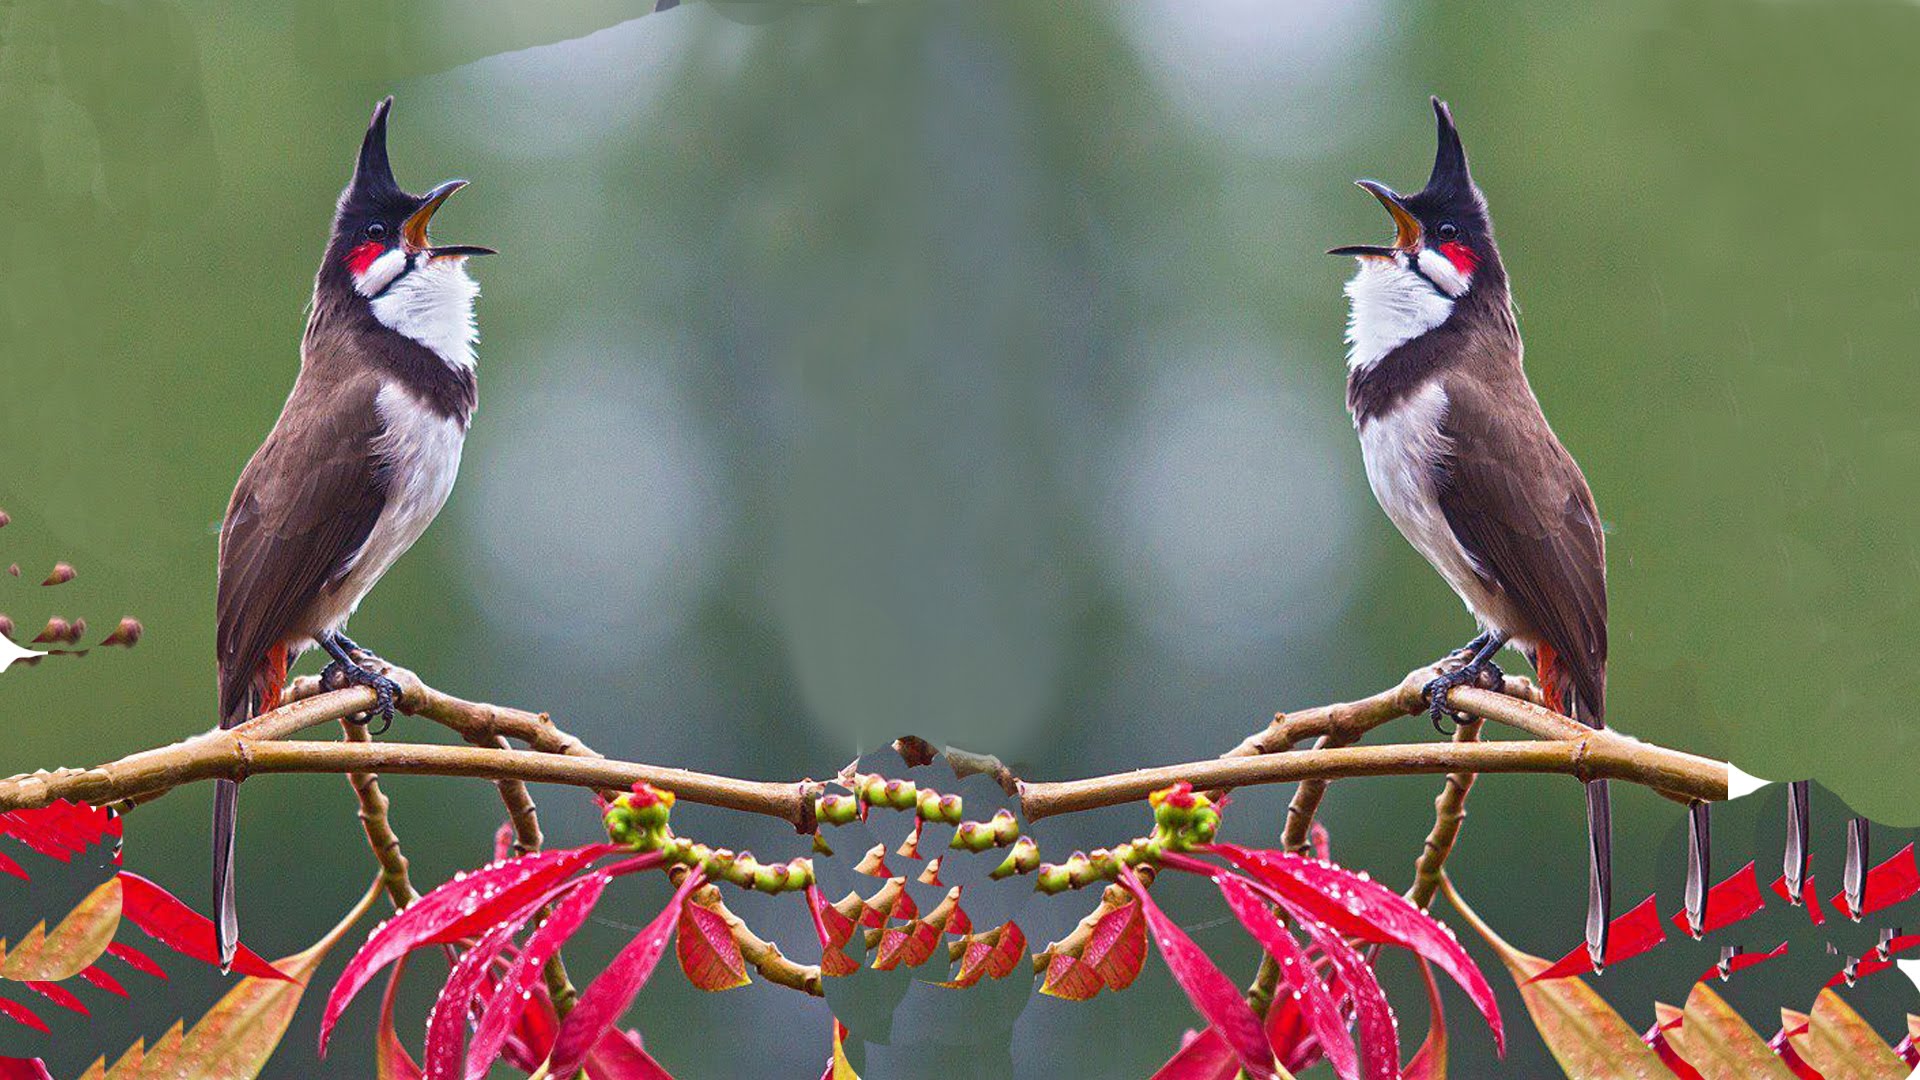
416 458
1406 448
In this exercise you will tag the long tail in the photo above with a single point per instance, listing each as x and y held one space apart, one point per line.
1554 682
264 696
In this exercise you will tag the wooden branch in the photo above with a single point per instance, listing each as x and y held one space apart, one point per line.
381 838
1449 813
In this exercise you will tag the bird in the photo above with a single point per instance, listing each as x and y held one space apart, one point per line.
1461 458
360 461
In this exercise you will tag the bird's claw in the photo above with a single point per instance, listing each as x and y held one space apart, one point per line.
386 692
1485 674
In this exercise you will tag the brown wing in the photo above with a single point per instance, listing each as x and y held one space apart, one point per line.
1517 501
304 505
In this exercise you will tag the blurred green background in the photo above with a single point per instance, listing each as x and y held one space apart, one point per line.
972 369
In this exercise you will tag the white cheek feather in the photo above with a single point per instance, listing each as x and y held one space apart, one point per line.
1443 273
418 451
433 305
1390 305
380 273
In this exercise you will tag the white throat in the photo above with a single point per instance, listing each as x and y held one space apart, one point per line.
1390 304
432 303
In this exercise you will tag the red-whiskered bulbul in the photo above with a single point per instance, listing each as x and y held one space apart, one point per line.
360 461
1461 458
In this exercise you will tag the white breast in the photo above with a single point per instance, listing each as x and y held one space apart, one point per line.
1388 306
1401 449
419 456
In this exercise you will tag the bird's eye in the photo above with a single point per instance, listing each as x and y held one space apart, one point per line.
376 231
1449 231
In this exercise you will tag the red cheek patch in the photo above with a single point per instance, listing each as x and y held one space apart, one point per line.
360 259
1461 256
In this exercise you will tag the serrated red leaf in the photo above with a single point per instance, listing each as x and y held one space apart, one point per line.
136 959
958 923
1318 1009
163 917
447 1023
103 981
59 995
1203 1055
1890 883
62 829
1009 953
833 930
1213 995
1117 948
1630 935
608 996
510 997
708 954
20 1014
1729 902
911 945
1357 906
1742 961
463 907
23 1069
1809 897
1071 979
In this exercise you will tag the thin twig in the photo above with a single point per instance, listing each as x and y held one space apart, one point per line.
1449 813
379 828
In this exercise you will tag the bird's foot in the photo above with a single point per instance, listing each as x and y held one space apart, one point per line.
341 674
1482 673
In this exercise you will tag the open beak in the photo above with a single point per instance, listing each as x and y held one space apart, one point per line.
413 232
1406 227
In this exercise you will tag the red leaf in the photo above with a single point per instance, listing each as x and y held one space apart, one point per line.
834 930
136 959
1631 934
1118 946
59 995
1379 1036
503 842
104 981
1202 1056
1357 906
511 996
1890 883
608 996
460 908
23 1069
1009 952
390 1057
447 1023
1212 993
62 829
1732 900
708 954
911 945
1742 961
20 1014
165 919
1317 1007
1071 978
1793 1024
958 922
8 866
619 1056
